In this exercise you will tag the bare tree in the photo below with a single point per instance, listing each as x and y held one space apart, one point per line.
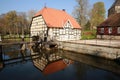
11 18
16 22
31 14
23 23
81 12
3 28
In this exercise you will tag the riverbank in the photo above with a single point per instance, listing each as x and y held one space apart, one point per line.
109 49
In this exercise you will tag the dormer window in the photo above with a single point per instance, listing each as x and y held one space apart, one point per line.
68 25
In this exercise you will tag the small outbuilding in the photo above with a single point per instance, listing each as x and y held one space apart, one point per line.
55 24
110 28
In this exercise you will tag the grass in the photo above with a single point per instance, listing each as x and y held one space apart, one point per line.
14 38
88 34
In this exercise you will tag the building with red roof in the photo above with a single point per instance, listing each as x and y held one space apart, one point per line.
54 23
110 28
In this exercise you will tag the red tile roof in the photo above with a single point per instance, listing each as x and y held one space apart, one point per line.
54 67
112 21
56 18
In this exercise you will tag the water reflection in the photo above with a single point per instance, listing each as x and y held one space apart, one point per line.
1 62
49 62
95 61
14 51
12 54
55 65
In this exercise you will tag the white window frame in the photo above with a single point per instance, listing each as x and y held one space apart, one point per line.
118 30
101 30
110 30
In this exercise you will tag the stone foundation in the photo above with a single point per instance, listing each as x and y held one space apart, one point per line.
95 50
112 37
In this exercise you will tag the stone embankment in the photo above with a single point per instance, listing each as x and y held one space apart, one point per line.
100 50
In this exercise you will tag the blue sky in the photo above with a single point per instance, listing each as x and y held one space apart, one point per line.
26 5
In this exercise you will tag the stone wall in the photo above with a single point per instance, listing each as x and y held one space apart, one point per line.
112 37
95 50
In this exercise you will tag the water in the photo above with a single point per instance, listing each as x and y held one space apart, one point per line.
55 65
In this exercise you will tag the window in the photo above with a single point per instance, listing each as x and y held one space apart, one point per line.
63 31
60 31
110 30
102 30
117 8
68 25
118 30
36 23
66 31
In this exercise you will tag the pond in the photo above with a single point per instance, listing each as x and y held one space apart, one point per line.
54 65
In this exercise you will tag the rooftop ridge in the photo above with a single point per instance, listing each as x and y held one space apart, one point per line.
55 17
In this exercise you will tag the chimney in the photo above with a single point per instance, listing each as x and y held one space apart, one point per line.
63 9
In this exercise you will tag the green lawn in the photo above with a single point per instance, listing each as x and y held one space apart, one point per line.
14 38
88 34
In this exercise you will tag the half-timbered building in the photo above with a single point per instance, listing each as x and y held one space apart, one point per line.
55 24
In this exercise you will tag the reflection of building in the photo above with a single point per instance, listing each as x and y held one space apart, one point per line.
104 64
0 38
56 24
50 62
115 8
110 28
1 64
1 58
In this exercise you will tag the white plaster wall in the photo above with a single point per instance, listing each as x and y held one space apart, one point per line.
37 26
66 37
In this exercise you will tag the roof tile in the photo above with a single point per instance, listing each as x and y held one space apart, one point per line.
112 21
56 18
